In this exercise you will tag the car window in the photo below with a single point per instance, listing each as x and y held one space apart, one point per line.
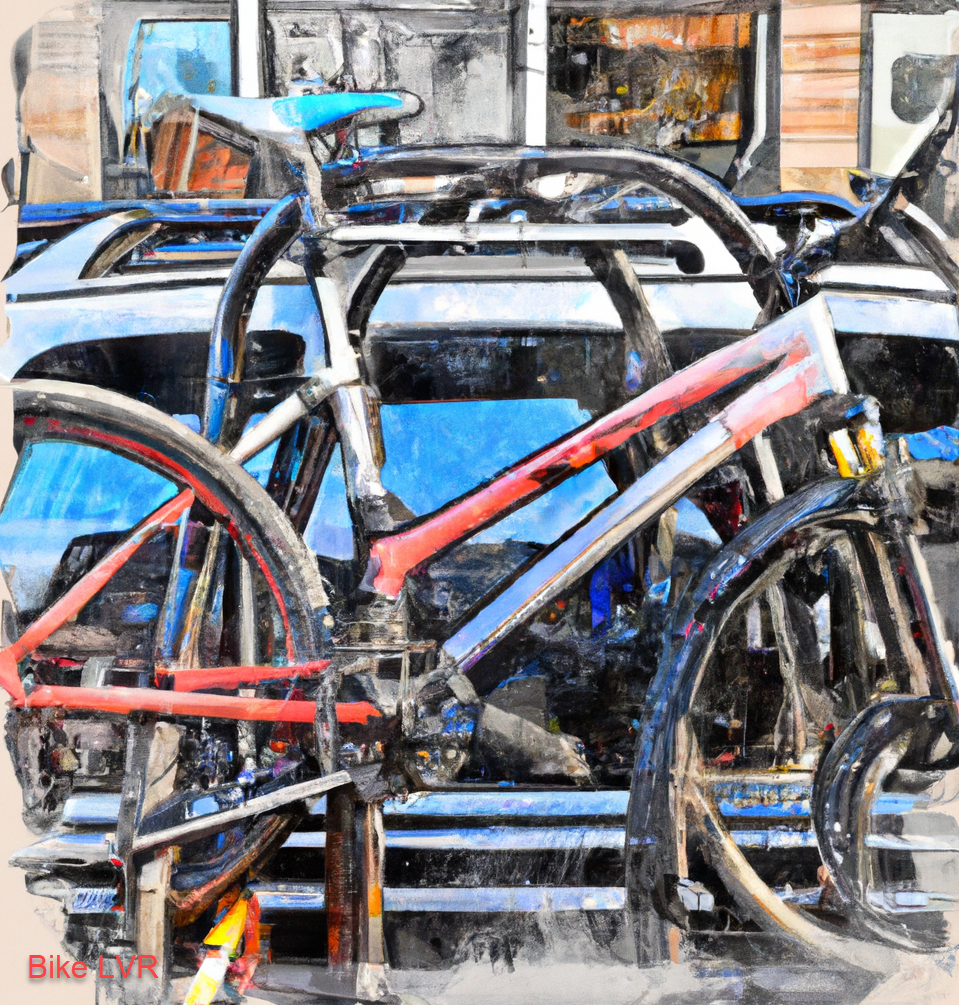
64 491
437 451
184 57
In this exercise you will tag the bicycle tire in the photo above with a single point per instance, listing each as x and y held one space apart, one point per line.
739 573
86 414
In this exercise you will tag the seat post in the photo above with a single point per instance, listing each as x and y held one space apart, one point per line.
247 33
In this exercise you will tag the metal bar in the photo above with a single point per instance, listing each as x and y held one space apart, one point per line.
505 898
609 803
290 896
912 842
744 162
340 352
34 213
85 588
508 838
509 233
371 874
123 700
758 808
691 187
139 739
152 877
352 407
615 271
292 409
154 935
101 808
191 830
248 23
485 900
534 72
910 901
486 838
276 422
232 677
895 803
271 236
773 839
341 880
246 612
768 468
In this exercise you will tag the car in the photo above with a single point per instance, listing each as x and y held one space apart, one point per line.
570 571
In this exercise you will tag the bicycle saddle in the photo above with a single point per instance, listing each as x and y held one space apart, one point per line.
315 111
288 118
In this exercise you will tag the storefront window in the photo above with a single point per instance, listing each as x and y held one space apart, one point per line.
668 82
457 62
183 57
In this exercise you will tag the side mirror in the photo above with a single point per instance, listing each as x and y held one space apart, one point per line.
8 174
918 116
922 85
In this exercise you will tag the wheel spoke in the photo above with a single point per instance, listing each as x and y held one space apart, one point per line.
189 649
788 667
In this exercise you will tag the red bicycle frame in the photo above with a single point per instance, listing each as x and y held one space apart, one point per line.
800 347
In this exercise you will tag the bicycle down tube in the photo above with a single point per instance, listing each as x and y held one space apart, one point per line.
801 343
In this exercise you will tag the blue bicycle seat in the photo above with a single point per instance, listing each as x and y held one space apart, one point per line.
314 111
287 117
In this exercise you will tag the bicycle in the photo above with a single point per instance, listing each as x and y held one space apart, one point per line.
729 398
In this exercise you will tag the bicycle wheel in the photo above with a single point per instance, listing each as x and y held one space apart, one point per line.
100 726
59 650
54 410
801 627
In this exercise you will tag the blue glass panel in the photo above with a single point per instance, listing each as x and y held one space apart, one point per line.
330 530
185 57
260 465
437 451
62 491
